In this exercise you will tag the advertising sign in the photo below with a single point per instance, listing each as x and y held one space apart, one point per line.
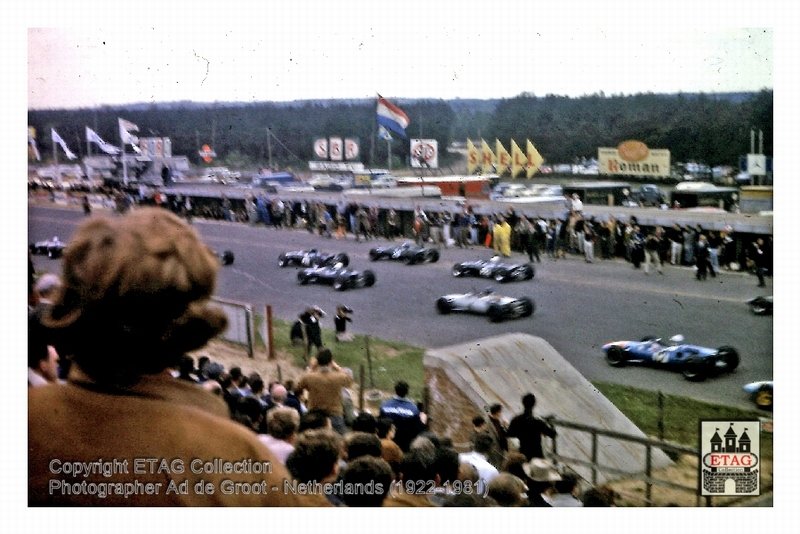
633 158
336 149
425 153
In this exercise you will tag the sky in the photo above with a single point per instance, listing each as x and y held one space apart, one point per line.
290 58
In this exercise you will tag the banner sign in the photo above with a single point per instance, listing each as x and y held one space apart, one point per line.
633 158
351 149
320 148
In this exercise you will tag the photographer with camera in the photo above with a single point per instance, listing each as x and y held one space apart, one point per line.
340 320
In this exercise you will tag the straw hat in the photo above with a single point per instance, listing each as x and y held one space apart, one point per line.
541 470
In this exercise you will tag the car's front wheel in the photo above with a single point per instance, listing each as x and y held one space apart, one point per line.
615 357
530 272
432 256
500 276
374 255
302 279
528 307
367 278
457 271
342 258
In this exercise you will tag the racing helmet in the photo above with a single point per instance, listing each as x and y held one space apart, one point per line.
676 339
496 257
489 290
338 265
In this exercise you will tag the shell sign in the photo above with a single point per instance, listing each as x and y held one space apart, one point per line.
633 158
207 154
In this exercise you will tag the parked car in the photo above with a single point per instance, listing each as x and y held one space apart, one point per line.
408 253
495 269
337 276
312 258
52 248
649 195
695 362
761 305
761 393
497 308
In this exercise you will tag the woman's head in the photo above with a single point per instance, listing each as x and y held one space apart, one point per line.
136 294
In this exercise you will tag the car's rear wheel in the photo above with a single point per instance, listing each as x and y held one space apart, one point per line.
409 259
283 261
227 257
340 283
443 306
615 357
695 370
302 279
730 357
495 313
432 256
374 255
764 398
342 258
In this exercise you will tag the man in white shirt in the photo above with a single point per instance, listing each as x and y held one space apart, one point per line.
478 458
282 425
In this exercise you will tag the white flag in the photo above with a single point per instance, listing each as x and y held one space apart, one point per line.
32 142
57 139
125 127
92 137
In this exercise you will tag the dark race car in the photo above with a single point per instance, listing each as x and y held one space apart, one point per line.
337 276
495 269
52 248
761 305
408 253
696 363
497 308
312 258
761 393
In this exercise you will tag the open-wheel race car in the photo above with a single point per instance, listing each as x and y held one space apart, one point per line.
496 307
761 305
52 248
761 393
408 253
495 269
312 258
337 276
694 362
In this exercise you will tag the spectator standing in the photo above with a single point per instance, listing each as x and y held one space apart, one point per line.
652 250
529 430
315 460
759 258
324 381
501 236
675 236
701 255
405 416
309 320
478 457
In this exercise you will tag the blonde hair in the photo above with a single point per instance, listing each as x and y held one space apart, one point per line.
135 296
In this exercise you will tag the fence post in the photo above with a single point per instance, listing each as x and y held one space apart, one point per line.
648 469
270 338
369 363
361 388
594 458
660 416
280 375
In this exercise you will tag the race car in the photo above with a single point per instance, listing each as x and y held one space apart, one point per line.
52 248
696 363
226 257
337 276
408 253
761 305
497 308
761 393
494 268
312 258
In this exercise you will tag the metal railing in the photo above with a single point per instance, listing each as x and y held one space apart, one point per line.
646 475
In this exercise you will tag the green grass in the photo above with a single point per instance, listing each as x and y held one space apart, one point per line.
390 361
681 414
398 361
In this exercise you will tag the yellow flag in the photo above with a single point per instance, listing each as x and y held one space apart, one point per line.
518 160
503 158
487 158
472 157
534 159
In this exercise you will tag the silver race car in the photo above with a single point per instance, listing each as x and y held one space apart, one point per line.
496 307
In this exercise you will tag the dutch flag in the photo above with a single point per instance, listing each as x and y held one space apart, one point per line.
392 117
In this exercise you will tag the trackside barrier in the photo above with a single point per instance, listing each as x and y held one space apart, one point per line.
240 323
646 474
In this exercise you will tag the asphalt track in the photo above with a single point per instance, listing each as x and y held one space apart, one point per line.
579 306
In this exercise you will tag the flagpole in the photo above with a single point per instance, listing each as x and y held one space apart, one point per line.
124 163
57 170
389 153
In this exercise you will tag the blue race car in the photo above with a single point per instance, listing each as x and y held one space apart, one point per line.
761 393
696 363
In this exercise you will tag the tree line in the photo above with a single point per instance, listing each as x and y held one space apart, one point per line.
708 128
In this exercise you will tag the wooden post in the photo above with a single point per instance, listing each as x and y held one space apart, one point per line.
270 336
660 416
280 375
369 363
361 388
